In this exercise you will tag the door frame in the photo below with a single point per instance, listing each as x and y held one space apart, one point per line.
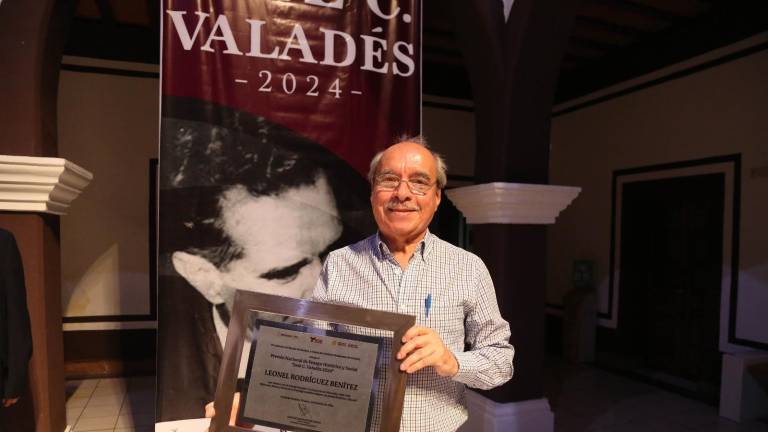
730 167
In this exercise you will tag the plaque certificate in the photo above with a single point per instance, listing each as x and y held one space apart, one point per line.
303 377
312 380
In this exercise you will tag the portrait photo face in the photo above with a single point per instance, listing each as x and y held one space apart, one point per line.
274 243
281 237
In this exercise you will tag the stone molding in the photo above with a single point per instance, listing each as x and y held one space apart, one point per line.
512 203
40 184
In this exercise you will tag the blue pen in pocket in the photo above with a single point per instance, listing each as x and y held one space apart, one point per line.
427 305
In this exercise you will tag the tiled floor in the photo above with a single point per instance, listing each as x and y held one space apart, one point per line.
115 404
584 399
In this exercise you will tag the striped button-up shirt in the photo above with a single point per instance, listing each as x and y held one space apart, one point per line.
463 311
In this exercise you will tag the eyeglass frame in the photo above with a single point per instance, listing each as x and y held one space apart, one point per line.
400 180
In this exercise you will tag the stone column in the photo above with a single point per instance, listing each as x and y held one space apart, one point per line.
32 34
513 63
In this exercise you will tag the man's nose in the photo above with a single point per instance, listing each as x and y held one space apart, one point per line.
403 190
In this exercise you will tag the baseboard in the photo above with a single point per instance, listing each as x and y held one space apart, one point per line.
109 353
108 368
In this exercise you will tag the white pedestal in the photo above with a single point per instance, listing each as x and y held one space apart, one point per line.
512 203
40 184
486 415
741 397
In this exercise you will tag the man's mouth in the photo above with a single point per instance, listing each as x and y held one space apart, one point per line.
399 208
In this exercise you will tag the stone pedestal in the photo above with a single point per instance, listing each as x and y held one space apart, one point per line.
525 416
744 392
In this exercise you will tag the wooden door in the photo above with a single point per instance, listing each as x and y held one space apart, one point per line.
671 270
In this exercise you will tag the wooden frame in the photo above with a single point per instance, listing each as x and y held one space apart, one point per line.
245 301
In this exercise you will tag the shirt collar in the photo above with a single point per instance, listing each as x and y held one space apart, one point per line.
423 250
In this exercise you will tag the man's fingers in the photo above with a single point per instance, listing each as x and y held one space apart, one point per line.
235 407
209 410
413 344
423 347
418 366
414 331
420 357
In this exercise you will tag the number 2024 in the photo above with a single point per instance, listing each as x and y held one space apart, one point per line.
289 84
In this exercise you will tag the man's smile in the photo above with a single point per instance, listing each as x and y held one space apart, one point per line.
400 207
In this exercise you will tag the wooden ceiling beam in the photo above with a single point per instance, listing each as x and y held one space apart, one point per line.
721 25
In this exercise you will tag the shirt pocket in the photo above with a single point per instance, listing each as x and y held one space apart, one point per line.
446 314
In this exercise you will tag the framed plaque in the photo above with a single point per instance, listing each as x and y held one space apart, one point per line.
304 366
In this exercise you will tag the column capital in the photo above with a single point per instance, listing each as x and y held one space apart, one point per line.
40 184
512 203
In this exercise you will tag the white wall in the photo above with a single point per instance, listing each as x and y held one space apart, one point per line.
717 111
108 124
449 125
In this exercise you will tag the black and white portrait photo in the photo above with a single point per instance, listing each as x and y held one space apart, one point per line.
244 204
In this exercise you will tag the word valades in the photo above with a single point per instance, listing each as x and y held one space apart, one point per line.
374 49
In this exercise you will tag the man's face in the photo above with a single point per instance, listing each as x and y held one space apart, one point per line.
400 214
281 237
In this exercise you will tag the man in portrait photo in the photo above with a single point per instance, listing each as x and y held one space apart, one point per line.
245 204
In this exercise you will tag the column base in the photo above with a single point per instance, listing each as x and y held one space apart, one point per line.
485 415
742 396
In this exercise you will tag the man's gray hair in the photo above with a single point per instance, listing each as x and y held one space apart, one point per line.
442 168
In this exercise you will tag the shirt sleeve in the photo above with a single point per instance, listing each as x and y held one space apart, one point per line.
488 362
320 293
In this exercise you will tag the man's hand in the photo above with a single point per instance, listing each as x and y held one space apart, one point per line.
9 402
423 347
210 411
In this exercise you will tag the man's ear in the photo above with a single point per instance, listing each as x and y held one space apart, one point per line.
201 274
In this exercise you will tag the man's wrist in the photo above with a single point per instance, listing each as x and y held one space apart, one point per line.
453 364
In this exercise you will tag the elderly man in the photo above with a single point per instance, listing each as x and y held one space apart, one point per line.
404 268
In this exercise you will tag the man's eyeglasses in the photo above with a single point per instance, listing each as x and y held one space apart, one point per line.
417 186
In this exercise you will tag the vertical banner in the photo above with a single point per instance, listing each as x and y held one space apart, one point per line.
271 111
